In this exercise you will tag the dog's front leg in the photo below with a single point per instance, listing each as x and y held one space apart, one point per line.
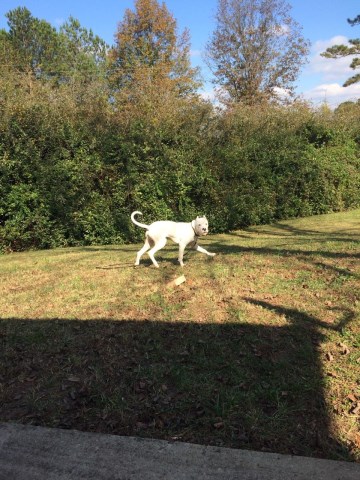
181 253
203 250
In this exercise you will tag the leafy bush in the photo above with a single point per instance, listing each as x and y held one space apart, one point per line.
71 174
271 167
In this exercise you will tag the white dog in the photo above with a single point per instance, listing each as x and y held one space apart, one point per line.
180 232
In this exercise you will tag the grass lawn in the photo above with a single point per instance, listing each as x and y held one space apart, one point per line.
258 349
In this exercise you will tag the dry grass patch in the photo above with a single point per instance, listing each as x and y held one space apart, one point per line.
259 348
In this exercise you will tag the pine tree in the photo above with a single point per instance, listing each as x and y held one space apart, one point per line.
340 51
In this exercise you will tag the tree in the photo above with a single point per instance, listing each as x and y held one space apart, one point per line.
256 50
34 39
83 42
41 52
148 52
340 51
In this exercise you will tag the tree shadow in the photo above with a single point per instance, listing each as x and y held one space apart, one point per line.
291 230
309 257
340 271
234 385
229 249
297 317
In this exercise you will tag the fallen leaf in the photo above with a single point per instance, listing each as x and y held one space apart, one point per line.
177 281
141 425
329 357
344 349
357 440
356 409
73 394
160 423
185 353
218 425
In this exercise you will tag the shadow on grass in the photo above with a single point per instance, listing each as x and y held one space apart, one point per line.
285 250
297 317
234 385
290 230
231 249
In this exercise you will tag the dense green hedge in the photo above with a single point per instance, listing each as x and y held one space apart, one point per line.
279 163
71 174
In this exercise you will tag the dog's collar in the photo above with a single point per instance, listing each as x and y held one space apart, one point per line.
196 235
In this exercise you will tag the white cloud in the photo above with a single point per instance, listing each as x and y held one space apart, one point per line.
195 53
281 30
333 93
209 95
331 74
329 68
282 94
322 45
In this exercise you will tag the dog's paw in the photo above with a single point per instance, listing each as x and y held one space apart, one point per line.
212 254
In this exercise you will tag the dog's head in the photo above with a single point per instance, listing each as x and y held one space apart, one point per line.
200 226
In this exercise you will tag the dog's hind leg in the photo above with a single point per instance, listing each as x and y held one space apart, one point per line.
160 243
141 252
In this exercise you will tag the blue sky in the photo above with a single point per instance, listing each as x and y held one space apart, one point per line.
323 22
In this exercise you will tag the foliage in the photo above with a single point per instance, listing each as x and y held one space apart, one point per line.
43 53
78 153
279 163
34 40
149 52
340 51
256 50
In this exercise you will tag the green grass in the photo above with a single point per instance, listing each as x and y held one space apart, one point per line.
258 349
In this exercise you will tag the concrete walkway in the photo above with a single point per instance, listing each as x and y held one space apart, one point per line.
36 453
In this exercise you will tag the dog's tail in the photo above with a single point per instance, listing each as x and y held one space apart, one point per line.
142 225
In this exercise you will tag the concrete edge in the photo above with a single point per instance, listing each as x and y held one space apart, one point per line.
38 453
